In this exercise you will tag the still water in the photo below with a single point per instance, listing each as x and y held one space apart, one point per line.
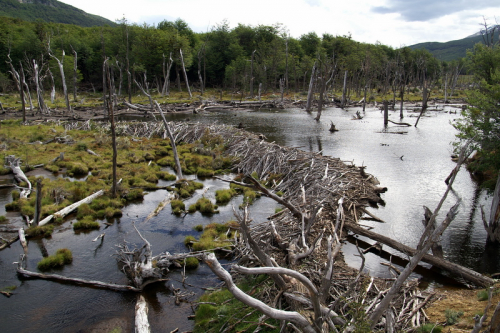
412 166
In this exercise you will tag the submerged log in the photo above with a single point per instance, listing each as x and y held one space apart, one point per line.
457 270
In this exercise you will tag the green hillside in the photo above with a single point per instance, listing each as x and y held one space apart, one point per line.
50 11
451 50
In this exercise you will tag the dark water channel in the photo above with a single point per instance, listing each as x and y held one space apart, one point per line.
412 166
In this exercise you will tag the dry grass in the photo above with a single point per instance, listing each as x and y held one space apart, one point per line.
461 300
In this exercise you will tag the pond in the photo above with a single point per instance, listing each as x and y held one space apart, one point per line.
412 166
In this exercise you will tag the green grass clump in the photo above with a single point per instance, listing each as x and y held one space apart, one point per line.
205 206
452 316
213 236
189 240
87 223
186 188
482 295
44 230
429 328
191 263
61 258
178 206
3 218
198 228
164 175
223 196
249 195
134 194
84 210
77 169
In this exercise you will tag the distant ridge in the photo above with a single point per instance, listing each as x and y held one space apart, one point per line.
454 49
50 11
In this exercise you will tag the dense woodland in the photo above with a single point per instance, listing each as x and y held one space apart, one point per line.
238 59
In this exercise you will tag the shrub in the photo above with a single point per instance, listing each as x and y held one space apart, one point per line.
452 316
61 258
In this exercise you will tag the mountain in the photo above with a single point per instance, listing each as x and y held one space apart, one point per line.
455 49
50 11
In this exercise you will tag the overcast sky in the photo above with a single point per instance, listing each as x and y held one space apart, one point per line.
390 22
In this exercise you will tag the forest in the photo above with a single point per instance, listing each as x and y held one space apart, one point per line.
239 59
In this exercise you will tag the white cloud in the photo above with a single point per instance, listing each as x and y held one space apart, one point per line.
392 22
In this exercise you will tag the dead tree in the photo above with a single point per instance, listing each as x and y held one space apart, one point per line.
39 92
310 93
63 78
166 75
75 73
172 142
492 225
185 74
109 104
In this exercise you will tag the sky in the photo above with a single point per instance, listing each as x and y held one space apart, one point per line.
395 23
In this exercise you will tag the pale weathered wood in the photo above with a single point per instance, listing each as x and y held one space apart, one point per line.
141 316
14 164
55 277
67 210
292 316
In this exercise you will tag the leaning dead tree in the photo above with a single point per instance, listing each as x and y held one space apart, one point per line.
63 78
492 225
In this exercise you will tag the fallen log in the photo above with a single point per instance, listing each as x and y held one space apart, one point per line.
141 316
457 270
60 278
67 210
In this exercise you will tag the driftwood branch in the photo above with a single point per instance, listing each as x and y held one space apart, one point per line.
141 316
60 278
291 316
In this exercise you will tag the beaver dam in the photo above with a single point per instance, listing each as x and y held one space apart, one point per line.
290 265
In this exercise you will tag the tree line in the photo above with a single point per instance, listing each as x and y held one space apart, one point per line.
245 58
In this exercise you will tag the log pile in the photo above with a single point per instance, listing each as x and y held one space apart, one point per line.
322 197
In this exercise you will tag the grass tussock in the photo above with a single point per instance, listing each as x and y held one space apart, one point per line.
60 258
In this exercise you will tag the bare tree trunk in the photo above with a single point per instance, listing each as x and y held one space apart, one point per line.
492 226
251 74
172 143
185 74
41 103
107 73
166 75
75 63
200 78
344 90
321 93
63 79
38 204
311 90
386 113
23 102
402 92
